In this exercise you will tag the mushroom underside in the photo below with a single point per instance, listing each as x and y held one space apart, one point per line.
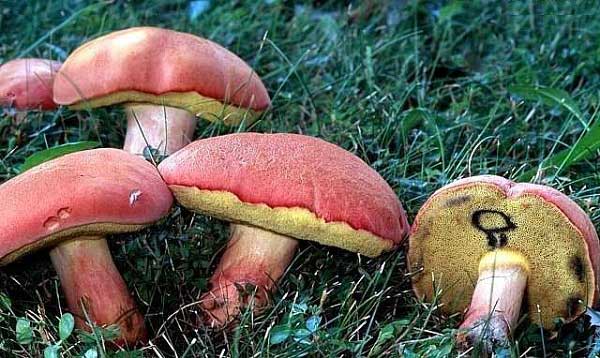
95 229
207 108
292 222
459 227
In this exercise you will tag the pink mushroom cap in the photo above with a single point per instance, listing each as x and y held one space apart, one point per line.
27 83
294 185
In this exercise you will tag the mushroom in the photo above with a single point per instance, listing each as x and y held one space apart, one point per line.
26 84
486 245
70 204
164 79
277 189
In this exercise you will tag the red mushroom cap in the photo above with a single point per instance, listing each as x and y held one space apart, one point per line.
290 184
94 192
153 65
27 83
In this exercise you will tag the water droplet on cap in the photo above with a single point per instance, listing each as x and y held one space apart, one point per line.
134 197
64 213
52 223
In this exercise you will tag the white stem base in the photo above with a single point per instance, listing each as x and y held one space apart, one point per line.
253 256
163 128
496 301
95 289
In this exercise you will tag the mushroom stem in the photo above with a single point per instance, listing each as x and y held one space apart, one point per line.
496 301
253 257
95 289
163 128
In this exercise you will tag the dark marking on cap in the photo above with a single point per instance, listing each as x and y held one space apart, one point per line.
576 264
496 235
457 200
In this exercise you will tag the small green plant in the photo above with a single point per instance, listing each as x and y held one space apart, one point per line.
300 325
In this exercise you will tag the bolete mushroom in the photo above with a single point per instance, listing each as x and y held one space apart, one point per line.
164 79
486 245
26 84
70 204
277 189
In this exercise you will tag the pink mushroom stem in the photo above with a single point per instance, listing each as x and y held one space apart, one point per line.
94 288
253 257
496 301
164 128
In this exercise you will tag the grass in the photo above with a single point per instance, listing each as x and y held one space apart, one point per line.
423 91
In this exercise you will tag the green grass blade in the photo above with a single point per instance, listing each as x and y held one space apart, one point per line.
583 149
55 152
417 116
548 96
60 26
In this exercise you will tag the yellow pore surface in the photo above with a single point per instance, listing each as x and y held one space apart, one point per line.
204 107
448 247
91 230
502 259
298 223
